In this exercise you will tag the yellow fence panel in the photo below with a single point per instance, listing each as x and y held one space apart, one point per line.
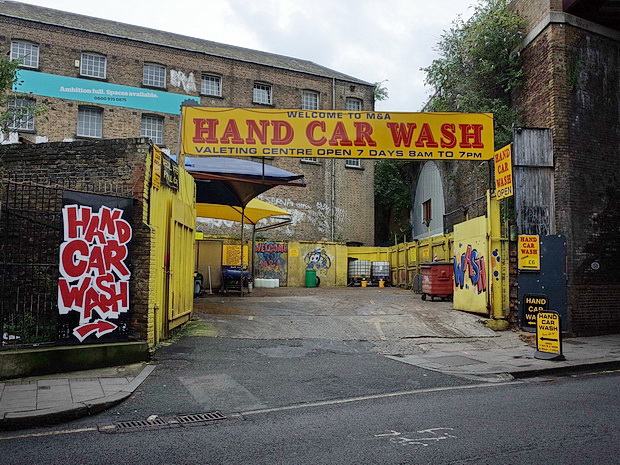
471 270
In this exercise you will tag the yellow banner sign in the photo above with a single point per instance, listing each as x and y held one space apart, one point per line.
336 134
548 337
503 172
156 176
529 253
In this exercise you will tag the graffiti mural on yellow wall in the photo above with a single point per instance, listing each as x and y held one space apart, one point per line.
470 264
318 259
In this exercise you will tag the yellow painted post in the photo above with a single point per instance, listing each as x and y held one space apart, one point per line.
498 261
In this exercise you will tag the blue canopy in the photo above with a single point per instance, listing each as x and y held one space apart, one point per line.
233 181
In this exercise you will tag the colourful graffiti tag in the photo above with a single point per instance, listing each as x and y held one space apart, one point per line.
318 259
271 260
476 270
94 277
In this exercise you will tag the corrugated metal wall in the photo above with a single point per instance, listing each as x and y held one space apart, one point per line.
429 187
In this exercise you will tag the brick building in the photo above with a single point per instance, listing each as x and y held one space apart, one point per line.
571 97
571 58
104 79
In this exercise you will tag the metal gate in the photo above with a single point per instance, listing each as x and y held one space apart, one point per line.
30 236
548 285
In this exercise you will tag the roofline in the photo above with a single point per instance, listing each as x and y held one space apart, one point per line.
351 80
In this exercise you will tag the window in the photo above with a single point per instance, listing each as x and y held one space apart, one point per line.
27 52
309 100
153 128
211 85
353 104
90 122
93 65
353 163
154 75
262 94
23 120
427 212
310 159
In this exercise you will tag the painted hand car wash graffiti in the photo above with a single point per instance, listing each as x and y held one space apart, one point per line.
94 275
476 270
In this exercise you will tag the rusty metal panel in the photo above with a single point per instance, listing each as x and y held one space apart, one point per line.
534 181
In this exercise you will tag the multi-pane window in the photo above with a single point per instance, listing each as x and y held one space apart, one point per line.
23 119
427 212
90 122
353 104
262 94
154 75
353 163
26 52
93 65
211 85
153 128
309 100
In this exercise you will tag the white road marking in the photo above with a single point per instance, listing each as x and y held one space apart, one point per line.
48 433
375 396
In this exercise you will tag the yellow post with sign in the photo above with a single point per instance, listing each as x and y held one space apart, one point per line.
548 336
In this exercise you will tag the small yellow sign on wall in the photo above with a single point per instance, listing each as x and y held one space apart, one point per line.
503 172
231 255
529 253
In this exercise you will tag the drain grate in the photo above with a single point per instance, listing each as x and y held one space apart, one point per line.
200 417
133 425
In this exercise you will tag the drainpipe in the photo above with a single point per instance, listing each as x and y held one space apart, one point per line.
333 180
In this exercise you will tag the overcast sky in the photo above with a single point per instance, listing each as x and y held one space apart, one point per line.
373 40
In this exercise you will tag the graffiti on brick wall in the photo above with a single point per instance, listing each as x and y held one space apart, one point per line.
318 259
180 79
271 260
94 273
472 267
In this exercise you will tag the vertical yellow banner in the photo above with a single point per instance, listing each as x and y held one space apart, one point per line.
529 252
503 172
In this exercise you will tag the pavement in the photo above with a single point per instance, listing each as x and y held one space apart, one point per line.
36 401
427 335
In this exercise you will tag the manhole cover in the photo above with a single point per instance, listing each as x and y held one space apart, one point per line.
456 360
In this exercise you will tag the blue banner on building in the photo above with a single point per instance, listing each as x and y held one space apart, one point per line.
96 92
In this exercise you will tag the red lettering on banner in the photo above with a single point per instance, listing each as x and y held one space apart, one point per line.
282 132
260 133
426 139
448 132
363 132
471 136
310 129
205 131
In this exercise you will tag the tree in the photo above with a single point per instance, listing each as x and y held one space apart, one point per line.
477 71
380 91
8 115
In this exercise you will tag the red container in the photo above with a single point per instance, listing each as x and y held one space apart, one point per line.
437 280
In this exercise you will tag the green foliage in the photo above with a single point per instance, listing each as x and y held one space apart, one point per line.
380 91
393 194
476 71
8 77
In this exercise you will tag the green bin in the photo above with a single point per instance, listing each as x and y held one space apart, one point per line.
310 278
